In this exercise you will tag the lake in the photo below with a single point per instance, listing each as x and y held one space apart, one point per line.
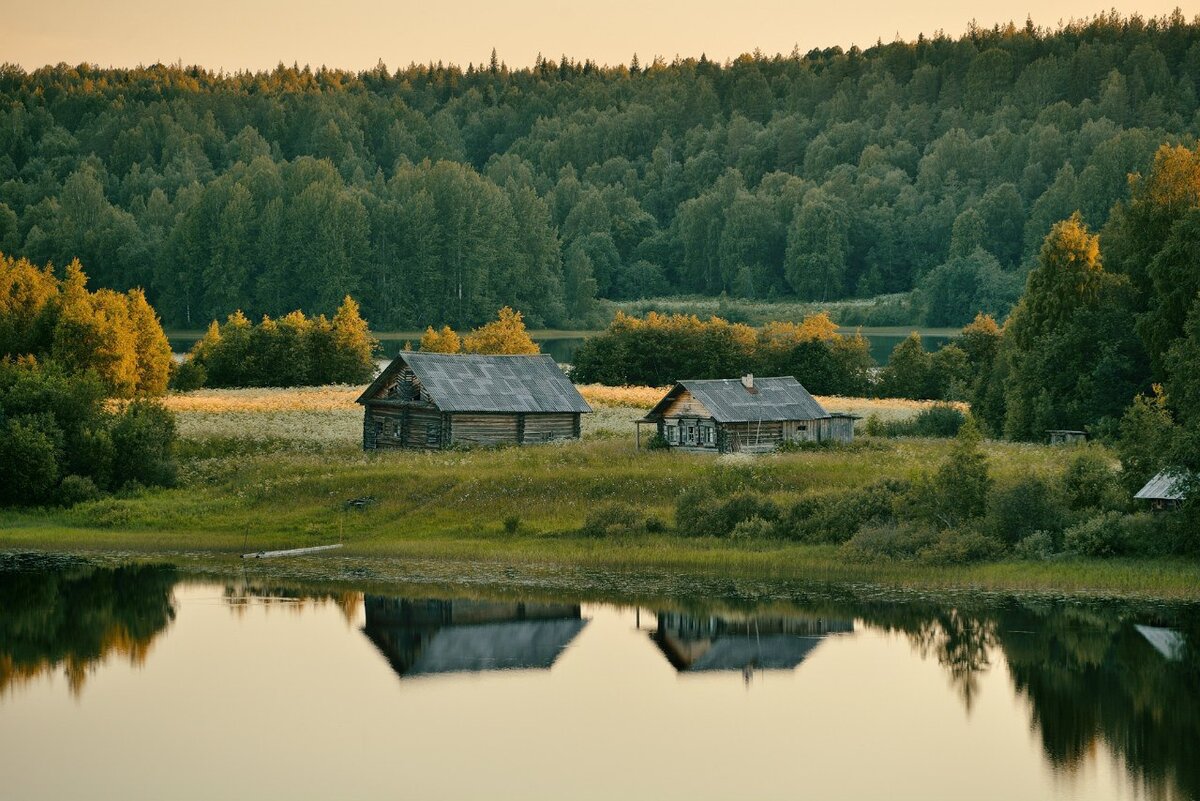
140 682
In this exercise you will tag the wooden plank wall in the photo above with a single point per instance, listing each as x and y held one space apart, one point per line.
483 429
402 427
753 437
545 427
685 405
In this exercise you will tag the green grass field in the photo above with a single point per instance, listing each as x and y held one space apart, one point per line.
272 469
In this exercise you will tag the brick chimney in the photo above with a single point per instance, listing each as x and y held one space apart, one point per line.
748 381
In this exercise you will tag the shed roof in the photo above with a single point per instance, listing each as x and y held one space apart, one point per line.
474 383
1166 486
729 401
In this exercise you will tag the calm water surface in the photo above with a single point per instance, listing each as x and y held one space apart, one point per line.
136 682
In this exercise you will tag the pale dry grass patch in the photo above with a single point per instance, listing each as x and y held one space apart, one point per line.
887 409
637 397
334 397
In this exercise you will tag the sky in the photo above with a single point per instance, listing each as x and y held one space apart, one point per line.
356 34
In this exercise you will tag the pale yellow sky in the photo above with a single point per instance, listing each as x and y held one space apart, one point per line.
355 34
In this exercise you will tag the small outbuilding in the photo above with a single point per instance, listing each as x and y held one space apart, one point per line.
745 414
1164 491
1062 436
438 400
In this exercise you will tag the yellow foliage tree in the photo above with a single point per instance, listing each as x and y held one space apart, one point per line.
443 341
505 335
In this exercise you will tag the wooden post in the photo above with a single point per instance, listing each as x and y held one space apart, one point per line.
637 426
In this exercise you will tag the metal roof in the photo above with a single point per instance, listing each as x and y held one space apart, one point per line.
729 401
474 383
1166 486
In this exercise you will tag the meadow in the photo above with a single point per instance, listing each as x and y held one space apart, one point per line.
270 469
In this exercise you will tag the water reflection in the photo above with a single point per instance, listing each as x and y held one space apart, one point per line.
71 616
423 637
694 643
1096 683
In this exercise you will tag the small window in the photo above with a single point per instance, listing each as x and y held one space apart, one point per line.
672 434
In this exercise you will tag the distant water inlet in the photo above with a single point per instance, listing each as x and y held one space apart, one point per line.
136 682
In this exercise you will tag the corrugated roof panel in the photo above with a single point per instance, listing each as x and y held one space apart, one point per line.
1165 486
473 383
782 398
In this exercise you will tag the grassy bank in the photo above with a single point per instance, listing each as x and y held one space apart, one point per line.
266 469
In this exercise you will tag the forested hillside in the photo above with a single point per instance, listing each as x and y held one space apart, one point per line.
437 194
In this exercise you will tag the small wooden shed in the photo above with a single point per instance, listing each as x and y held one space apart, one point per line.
1164 491
745 414
1063 436
437 400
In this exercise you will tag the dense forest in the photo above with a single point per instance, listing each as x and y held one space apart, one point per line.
436 194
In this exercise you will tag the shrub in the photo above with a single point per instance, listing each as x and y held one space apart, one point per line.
938 420
1144 535
1090 482
104 513
836 517
1035 547
77 489
142 438
1102 535
889 541
30 451
1016 511
657 442
511 524
188 375
612 520
961 548
753 528
697 514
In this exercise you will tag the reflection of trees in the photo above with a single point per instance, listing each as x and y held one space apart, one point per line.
1088 675
1090 678
241 596
75 616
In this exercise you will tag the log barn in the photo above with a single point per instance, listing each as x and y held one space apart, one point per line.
438 400
745 414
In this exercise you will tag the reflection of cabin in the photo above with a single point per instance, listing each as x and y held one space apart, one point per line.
1067 437
746 414
1164 491
424 637
436 400
691 643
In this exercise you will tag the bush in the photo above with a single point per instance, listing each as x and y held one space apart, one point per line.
753 528
188 375
657 442
698 514
938 420
1090 482
612 520
77 489
1102 535
961 548
511 524
1035 547
142 437
1016 511
836 517
890 541
30 451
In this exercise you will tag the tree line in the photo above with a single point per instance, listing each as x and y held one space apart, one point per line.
436 194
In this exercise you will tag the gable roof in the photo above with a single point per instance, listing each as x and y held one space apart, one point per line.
728 401
474 383
1166 486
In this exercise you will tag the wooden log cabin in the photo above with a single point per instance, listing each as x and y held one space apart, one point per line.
747 414
439 400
